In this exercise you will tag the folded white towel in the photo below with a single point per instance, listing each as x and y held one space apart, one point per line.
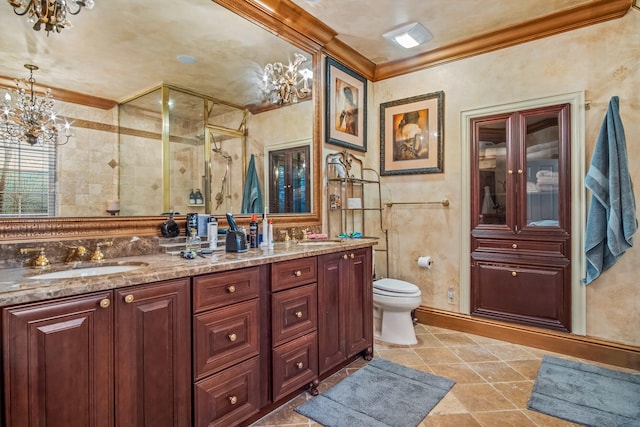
547 180
532 187
546 172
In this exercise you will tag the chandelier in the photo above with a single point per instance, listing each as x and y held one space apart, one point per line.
31 119
282 83
50 13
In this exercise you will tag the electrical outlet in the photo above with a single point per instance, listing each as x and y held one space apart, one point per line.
450 295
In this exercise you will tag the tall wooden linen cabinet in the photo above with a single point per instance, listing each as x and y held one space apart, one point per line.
521 217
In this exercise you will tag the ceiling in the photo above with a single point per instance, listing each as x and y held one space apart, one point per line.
123 47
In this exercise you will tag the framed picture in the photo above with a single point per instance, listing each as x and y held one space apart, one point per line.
411 135
346 101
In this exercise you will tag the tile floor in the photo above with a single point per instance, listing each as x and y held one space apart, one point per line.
493 378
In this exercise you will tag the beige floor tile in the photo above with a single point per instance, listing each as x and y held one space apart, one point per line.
528 368
402 356
481 397
496 372
454 420
503 419
508 352
427 340
474 353
439 355
517 392
453 339
459 372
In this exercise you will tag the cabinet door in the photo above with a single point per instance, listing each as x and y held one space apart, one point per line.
332 346
58 362
153 369
359 302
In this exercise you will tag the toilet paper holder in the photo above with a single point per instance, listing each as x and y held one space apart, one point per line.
425 261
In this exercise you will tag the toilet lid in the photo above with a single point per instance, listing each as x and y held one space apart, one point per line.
377 291
396 286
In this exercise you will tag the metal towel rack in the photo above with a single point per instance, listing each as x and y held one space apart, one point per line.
443 202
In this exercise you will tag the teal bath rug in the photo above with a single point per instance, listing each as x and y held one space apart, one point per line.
381 394
586 394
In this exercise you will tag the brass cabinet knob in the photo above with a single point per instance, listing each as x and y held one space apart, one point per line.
514 274
231 289
345 256
510 172
514 246
352 256
129 299
520 171
233 399
299 365
298 314
298 273
232 337
104 303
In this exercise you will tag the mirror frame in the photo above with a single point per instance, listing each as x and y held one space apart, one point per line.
273 17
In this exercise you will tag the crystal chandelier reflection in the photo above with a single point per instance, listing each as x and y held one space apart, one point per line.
50 13
282 83
32 119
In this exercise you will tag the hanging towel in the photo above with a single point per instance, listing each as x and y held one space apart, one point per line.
252 196
612 214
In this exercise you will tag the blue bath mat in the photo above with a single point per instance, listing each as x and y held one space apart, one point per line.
381 394
586 394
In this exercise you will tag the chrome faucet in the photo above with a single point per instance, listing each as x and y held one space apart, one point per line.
98 256
76 253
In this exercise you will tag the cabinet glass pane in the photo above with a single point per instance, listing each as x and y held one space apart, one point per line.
541 142
492 180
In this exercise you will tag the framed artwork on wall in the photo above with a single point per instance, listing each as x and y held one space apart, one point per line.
411 135
346 101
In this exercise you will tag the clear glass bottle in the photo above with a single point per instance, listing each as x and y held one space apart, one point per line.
193 242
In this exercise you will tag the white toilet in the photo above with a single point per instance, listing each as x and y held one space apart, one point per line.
393 301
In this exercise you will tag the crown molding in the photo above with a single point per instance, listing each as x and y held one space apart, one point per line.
555 23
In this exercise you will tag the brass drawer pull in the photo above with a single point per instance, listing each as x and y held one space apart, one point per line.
129 299
231 289
299 365
298 314
352 256
514 274
233 399
104 303
232 337
297 273
514 246
510 172
520 171
345 256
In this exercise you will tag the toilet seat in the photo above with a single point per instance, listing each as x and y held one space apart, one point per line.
395 287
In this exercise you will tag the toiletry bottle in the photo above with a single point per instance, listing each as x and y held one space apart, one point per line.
198 197
212 232
270 234
265 230
192 197
193 242
253 232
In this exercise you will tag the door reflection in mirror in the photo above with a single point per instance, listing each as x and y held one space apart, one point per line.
289 180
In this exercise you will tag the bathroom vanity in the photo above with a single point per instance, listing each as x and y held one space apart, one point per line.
215 341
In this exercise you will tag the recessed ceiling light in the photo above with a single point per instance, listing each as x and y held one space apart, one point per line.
186 59
409 35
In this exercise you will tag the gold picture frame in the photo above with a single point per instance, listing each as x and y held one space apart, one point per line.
411 135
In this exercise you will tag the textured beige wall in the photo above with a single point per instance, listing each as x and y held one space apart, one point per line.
603 60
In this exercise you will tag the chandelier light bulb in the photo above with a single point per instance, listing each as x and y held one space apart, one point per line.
281 84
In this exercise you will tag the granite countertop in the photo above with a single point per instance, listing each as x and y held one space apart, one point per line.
17 286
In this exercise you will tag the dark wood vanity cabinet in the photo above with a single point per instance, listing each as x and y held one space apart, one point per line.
294 324
345 301
227 338
103 359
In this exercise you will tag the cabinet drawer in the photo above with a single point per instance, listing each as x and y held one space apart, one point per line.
220 289
288 274
229 397
224 336
294 365
294 313
514 247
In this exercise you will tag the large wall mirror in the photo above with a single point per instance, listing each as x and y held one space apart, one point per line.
123 76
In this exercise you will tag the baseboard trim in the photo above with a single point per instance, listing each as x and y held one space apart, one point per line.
597 350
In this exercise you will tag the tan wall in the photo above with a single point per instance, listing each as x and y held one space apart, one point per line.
603 60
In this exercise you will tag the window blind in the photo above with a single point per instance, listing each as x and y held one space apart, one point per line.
27 178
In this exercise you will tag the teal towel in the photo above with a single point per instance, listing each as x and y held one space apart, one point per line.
252 195
612 220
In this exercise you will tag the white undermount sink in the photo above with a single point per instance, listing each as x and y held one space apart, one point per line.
90 270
